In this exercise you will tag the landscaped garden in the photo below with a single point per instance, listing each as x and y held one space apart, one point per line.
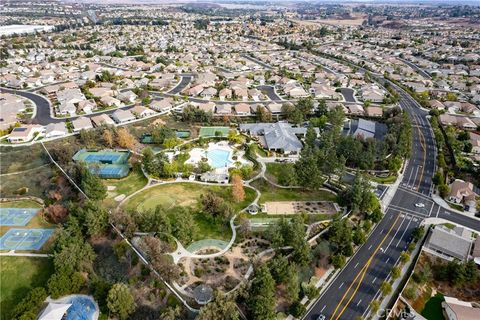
183 194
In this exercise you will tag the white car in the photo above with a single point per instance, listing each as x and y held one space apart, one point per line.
419 205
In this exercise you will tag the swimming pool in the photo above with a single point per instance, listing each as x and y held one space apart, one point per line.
219 158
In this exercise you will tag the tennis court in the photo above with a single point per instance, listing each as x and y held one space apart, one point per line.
16 216
108 164
25 239
212 132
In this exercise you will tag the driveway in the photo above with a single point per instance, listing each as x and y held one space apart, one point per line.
348 94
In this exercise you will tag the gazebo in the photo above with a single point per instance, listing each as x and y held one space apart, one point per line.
203 294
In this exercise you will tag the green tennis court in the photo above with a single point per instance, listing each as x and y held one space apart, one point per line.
207 132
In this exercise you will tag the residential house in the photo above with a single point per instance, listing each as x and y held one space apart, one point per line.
208 93
123 116
163 105
87 106
111 102
127 96
225 94
454 309
25 133
376 112
274 108
475 141
53 130
448 243
141 111
223 109
102 119
461 192
242 109
355 109
206 107
82 123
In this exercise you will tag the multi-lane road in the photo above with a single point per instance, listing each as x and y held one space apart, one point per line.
349 295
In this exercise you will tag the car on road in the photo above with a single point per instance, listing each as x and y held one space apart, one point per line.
321 317
420 205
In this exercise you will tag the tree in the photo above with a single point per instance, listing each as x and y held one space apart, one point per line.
358 236
338 261
386 288
261 295
31 304
92 185
292 284
56 213
72 254
279 268
374 306
171 313
125 139
108 138
120 301
404 257
238 192
395 273
96 218
221 308
61 284
418 233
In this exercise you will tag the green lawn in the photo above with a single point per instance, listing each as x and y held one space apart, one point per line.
272 193
182 194
211 228
383 180
275 171
128 185
18 276
433 308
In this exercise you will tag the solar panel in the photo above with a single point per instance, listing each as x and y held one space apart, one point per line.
20 129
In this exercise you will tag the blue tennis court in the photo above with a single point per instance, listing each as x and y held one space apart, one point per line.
25 239
16 216
108 158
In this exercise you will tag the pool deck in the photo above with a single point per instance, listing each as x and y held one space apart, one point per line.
197 154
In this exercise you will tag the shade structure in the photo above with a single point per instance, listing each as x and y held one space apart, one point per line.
54 311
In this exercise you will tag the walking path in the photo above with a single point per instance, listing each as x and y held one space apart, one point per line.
12 253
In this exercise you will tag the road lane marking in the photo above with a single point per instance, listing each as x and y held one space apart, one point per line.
373 281
361 274
356 265
323 308
360 301
370 247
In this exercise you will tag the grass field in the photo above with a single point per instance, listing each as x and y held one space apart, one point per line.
128 185
22 158
275 171
32 180
272 193
182 194
433 308
18 276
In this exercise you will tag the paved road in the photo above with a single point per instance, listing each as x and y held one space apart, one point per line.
182 85
255 60
416 68
270 92
358 283
348 94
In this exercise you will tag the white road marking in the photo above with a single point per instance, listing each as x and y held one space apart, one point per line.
355 266
370 247
373 281
323 308
341 285
360 301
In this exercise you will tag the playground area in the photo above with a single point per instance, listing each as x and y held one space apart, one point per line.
17 217
208 132
108 164
298 207
25 239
